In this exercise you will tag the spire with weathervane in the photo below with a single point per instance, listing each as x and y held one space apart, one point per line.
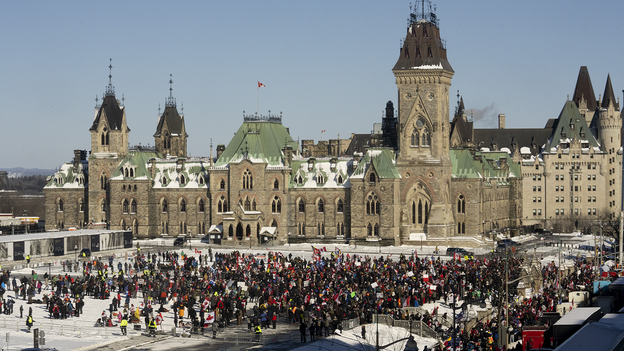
170 137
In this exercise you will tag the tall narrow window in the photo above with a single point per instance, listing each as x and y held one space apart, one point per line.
82 205
276 184
222 185
420 212
340 206
133 206
426 138
201 205
415 138
413 212
376 229
60 205
247 180
369 230
321 207
165 205
276 205
183 205
301 206
125 206
247 205
372 178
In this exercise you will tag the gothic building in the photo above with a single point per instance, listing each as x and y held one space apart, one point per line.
420 180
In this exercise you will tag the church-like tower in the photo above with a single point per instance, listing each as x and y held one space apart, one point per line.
170 137
423 77
109 144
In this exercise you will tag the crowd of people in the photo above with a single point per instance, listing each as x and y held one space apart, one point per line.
206 291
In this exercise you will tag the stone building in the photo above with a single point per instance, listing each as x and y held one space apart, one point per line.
421 179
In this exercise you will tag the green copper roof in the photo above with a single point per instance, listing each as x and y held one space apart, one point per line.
483 164
138 158
383 162
570 125
259 141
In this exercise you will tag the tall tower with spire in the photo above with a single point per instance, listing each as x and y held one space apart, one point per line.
423 77
608 124
584 96
109 144
170 137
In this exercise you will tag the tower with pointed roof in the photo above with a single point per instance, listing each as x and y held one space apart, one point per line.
423 77
170 137
607 122
109 144
584 97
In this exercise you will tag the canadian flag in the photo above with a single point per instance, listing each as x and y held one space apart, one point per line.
197 251
209 319
159 319
260 85
456 256
323 249
206 304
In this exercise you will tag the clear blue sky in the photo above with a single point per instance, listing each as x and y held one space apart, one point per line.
326 64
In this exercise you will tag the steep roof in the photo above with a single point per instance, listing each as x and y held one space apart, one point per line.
570 125
422 48
358 142
608 96
382 160
527 137
110 110
260 141
139 159
174 121
584 90
483 164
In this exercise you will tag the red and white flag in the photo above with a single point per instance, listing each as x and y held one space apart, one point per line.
260 85
159 319
456 256
210 317
206 304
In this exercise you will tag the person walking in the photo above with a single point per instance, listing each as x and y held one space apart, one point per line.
302 330
124 326
21 311
258 333
364 332
29 322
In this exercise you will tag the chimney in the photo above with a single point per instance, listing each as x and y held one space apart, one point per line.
220 149
78 156
288 153
501 121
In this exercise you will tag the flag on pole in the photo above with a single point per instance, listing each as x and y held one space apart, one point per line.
260 85
210 317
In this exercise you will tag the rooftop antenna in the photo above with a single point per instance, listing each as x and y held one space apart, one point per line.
211 152
123 99
110 90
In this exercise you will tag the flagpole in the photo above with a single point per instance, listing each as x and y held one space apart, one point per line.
257 97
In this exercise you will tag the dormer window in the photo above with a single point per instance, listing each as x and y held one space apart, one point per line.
299 179
182 179
222 185
201 180
372 178
339 179
320 179
164 181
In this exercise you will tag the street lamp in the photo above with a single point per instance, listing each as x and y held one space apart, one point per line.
75 253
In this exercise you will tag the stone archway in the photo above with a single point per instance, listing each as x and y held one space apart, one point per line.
239 232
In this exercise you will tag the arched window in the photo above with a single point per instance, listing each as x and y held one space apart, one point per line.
376 233
134 188
183 205
107 139
201 206
413 212
135 227
415 138
301 206
126 172
103 205
420 212
320 179
340 206
201 180
81 205
231 231
247 180
248 231
103 181
164 180
461 204
125 206
131 172
276 205
339 179
182 179
60 205
133 206
274 223
372 205
426 138
165 205
372 178
253 204
299 179
103 138
222 185
321 206
247 205
369 230
276 184
123 224
222 205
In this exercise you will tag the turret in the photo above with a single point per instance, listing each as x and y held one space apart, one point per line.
170 137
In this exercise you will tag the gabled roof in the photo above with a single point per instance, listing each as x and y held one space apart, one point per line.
139 159
175 122
113 112
382 160
527 137
609 97
260 141
483 165
68 177
570 125
584 90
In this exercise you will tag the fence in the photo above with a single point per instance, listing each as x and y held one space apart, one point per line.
417 327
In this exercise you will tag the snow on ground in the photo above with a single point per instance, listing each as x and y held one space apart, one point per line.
76 333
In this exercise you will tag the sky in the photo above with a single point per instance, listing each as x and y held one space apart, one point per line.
327 65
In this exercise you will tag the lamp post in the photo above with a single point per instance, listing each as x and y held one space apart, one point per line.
75 253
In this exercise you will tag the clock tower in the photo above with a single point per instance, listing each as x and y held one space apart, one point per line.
423 77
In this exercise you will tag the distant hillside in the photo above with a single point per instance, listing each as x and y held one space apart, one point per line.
17 172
